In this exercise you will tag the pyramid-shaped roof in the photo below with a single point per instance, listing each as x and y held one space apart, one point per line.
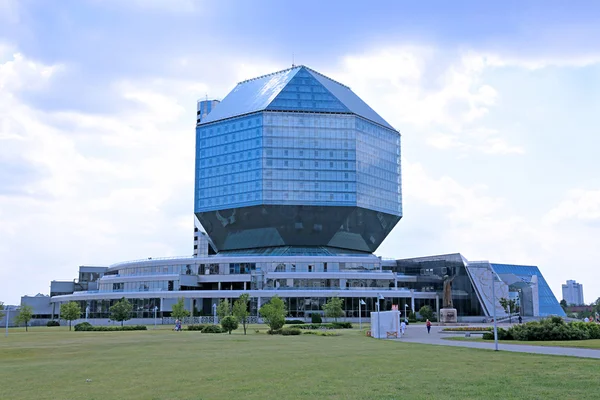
295 89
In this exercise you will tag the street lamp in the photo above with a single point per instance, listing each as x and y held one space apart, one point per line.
405 314
360 303
215 313
379 297
155 310
494 307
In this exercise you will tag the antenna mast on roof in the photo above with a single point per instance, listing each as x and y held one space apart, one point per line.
293 65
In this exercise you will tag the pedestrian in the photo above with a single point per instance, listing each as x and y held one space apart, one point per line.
520 319
428 325
403 327
176 325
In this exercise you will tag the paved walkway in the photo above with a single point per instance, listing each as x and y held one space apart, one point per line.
418 334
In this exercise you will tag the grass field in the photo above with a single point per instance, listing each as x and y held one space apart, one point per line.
53 363
586 344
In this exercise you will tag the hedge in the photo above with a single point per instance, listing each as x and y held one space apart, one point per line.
553 328
52 323
291 331
212 329
332 325
294 322
87 327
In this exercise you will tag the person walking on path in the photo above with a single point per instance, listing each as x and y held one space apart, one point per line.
403 327
428 325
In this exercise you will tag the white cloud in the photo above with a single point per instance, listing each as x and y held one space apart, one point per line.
579 205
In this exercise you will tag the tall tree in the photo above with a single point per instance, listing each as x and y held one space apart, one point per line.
223 309
333 308
178 310
273 313
121 310
70 312
24 316
240 310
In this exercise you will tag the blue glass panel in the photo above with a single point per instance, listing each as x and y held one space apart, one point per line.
548 303
304 93
349 99
251 95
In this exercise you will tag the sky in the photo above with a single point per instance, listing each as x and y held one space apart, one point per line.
497 104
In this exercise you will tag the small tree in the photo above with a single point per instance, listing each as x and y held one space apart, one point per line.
178 310
508 305
121 310
223 309
229 323
1 309
333 308
426 312
70 312
240 310
24 316
273 313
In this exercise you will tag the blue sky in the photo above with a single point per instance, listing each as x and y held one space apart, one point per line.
497 103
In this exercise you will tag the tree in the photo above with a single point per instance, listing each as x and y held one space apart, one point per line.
1 309
273 313
240 310
70 312
426 312
564 305
229 323
223 309
596 305
333 308
509 306
178 310
121 310
24 316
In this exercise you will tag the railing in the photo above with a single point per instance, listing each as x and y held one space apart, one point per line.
150 259
381 289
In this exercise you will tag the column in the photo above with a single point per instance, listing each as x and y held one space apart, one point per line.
412 300
437 306
219 285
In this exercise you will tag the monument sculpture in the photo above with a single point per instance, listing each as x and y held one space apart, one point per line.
448 313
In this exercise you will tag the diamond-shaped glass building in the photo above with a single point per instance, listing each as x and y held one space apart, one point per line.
295 158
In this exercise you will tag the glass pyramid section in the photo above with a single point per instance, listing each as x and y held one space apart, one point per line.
296 89
305 93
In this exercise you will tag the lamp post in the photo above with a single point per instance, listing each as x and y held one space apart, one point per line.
7 318
155 310
405 314
379 297
360 303
494 308
215 313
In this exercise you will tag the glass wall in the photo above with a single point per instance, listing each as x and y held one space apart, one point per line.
228 163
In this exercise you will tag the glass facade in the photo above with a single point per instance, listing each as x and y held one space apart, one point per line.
548 304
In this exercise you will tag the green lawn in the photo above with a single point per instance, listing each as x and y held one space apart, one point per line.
53 363
587 344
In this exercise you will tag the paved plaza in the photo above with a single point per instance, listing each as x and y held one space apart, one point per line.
418 334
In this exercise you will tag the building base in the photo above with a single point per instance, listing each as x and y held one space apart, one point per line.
448 316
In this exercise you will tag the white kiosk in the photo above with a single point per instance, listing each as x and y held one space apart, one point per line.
385 325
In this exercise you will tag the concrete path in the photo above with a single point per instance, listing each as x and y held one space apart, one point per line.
418 334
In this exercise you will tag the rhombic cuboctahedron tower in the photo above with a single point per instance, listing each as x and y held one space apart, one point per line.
296 159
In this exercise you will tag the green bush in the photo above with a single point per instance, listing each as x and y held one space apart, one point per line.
53 323
553 328
212 329
290 331
316 326
87 327
275 331
342 325
321 333
83 326
316 318
294 322
229 323
199 327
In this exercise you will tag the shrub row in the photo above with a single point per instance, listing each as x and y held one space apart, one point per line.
291 331
468 329
553 328
205 328
294 322
332 325
321 333
52 323
87 327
